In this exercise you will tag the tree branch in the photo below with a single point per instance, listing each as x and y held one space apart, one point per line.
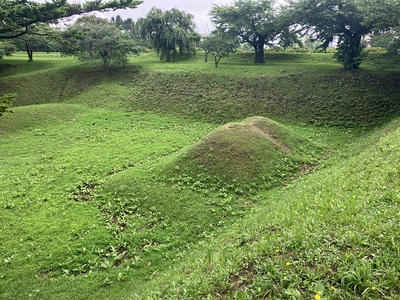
14 35
33 12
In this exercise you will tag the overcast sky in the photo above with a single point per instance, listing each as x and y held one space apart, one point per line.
198 8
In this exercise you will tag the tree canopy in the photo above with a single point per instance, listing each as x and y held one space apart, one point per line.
349 21
19 15
220 45
171 32
6 48
92 39
253 21
389 40
126 25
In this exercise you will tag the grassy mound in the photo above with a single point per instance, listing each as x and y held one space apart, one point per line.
255 154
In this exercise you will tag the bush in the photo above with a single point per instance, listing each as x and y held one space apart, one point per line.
6 101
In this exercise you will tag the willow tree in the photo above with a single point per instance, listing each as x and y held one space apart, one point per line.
171 32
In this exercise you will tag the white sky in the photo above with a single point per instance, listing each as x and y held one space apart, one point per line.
198 8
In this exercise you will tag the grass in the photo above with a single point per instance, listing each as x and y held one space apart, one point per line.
94 206
44 173
310 91
266 155
333 232
30 117
242 62
18 63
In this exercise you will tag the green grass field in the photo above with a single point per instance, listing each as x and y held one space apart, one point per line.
181 181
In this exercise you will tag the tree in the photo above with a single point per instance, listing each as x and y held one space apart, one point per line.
124 25
171 32
347 20
253 21
40 37
92 39
129 27
219 45
19 15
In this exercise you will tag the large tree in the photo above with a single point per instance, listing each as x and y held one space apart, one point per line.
17 16
253 21
171 32
348 21
94 39
130 27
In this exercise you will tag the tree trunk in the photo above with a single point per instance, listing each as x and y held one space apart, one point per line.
356 50
206 56
259 49
104 56
216 61
168 55
29 51
350 51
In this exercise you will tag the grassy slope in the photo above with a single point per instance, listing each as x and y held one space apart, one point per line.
290 87
334 232
29 117
306 88
54 247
